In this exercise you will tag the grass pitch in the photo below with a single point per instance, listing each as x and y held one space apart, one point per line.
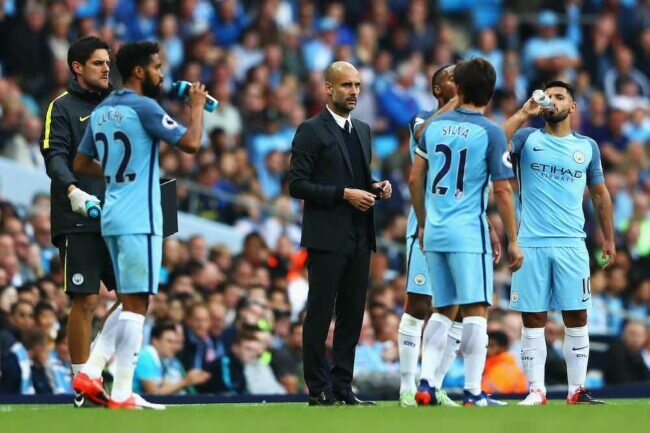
618 416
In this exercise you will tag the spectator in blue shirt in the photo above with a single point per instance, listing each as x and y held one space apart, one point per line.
486 47
548 54
319 52
144 23
229 22
399 101
158 371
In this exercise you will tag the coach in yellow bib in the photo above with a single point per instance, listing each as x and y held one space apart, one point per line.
81 247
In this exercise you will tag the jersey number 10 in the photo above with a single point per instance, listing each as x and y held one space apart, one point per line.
460 176
120 176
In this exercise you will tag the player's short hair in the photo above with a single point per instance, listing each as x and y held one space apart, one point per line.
557 83
435 78
135 54
475 79
81 50
160 328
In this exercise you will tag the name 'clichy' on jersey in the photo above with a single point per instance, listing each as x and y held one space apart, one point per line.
464 150
552 173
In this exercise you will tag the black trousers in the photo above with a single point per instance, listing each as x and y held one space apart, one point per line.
337 284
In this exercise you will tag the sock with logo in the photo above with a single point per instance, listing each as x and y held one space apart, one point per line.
103 348
474 348
410 333
128 343
449 355
434 341
533 356
576 355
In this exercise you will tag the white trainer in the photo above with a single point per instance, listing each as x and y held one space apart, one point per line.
144 404
536 397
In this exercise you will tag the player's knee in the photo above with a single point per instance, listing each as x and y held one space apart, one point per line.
574 319
418 307
135 303
85 304
534 320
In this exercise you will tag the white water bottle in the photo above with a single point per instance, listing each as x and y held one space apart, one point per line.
543 100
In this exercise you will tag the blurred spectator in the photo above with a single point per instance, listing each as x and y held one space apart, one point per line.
199 349
548 55
287 361
243 370
616 77
555 368
625 362
502 373
158 371
29 58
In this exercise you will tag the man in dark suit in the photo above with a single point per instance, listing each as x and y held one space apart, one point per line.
330 171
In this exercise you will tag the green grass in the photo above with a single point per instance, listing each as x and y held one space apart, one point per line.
618 416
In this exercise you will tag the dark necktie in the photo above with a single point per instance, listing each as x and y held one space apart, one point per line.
346 127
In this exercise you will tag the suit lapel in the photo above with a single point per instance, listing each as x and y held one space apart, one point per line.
365 144
330 123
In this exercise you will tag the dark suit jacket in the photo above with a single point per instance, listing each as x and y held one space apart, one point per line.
320 170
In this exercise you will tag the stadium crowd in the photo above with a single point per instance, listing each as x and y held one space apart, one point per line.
231 323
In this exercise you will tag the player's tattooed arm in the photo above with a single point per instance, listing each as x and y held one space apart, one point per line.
449 106
84 164
603 205
515 122
416 186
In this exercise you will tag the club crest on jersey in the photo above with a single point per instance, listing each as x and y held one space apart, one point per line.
419 279
168 122
506 159
514 297
77 279
578 157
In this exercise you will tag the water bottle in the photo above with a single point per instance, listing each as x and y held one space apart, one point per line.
181 89
543 100
93 209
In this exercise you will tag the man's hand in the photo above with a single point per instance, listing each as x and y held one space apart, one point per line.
386 187
421 237
609 253
516 256
496 246
531 109
196 376
197 95
78 199
359 199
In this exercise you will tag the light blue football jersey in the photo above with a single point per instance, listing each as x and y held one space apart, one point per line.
552 173
464 150
420 118
123 134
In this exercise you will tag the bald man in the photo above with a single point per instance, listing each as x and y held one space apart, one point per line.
330 171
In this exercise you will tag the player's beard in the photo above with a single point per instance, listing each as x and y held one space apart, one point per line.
554 118
151 89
